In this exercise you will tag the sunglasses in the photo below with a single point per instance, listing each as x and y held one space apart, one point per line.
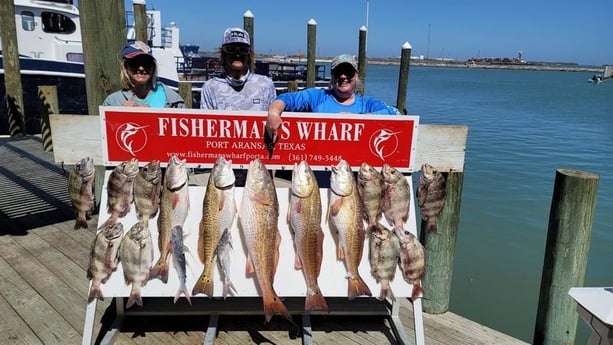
137 62
349 72
236 50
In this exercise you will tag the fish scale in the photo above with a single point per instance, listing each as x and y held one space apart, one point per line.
103 257
120 190
431 195
147 189
81 190
396 197
136 256
384 257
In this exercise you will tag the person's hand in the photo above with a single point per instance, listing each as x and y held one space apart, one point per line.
273 122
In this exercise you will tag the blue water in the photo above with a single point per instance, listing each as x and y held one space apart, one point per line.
522 126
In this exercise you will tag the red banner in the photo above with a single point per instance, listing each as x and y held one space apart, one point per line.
200 136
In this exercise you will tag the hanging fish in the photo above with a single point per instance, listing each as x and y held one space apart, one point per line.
431 194
81 189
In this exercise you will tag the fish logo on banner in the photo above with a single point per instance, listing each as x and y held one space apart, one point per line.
383 143
131 137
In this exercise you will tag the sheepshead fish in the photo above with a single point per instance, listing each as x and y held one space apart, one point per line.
258 218
396 197
345 215
431 193
120 189
174 205
103 257
218 211
412 261
81 190
370 188
147 189
384 256
304 217
136 256
178 260
224 255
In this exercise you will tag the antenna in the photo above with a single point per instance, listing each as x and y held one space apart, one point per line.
428 47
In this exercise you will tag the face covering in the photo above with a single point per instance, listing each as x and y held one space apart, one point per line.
238 83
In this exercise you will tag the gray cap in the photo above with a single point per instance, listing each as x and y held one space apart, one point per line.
344 58
235 35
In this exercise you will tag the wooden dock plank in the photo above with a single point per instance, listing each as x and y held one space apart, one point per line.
43 319
13 329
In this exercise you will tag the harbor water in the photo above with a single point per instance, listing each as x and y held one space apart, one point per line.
522 126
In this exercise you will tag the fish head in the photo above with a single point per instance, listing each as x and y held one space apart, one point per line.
341 179
85 166
303 180
390 174
257 174
151 171
129 167
428 171
366 172
112 230
222 173
176 173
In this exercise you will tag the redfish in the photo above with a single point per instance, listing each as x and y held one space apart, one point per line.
304 217
345 216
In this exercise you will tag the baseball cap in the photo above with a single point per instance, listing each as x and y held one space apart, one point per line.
235 35
134 49
344 58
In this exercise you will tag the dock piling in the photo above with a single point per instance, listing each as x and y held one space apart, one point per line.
403 79
568 240
49 104
362 59
311 44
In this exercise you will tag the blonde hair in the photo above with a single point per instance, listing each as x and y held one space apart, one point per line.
124 75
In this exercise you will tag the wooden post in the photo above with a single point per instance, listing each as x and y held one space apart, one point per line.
185 90
403 80
292 86
248 26
103 41
568 240
12 70
440 248
140 20
311 55
362 60
48 105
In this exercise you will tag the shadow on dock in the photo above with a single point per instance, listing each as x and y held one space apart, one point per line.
33 188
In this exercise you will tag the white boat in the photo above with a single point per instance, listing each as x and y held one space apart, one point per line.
51 53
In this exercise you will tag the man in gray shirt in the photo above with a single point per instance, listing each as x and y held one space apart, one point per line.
238 88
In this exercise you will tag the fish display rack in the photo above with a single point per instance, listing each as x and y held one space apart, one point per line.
288 283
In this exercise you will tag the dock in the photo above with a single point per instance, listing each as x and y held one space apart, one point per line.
43 284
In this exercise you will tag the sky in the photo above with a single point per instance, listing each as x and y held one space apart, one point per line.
543 30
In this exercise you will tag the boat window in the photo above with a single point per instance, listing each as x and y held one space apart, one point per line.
27 20
75 57
57 23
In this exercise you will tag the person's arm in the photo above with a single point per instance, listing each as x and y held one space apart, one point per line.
273 119
375 106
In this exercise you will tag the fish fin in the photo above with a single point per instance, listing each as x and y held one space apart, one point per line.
384 292
336 207
204 285
160 270
357 288
222 202
81 222
418 291
183 291
95 292
431 225
228 288
261 199
135 298
274 306
340 253
297 262
249 266
315 301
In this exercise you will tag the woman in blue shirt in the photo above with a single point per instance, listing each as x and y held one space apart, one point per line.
339 98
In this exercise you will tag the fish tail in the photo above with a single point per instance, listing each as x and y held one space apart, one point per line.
274 306
418 291
183 291
315 301
357 287
160 270
135 298
431 225
203 285
228 288
95 292
80 224
384 292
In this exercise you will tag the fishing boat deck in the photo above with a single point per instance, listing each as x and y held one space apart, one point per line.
43 284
